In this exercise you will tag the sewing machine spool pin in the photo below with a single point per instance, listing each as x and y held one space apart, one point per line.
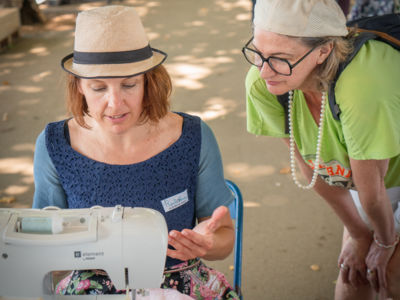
117 214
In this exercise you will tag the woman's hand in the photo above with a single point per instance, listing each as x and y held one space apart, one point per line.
202 241
377 260
352 261
369 178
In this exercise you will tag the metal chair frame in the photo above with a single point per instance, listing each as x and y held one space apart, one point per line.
236 211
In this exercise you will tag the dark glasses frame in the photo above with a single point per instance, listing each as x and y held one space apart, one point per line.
263 59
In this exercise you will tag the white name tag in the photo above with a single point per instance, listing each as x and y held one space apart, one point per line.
175 201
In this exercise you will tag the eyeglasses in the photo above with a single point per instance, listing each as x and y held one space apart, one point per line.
279 65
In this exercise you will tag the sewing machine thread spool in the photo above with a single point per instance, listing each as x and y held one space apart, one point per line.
41 225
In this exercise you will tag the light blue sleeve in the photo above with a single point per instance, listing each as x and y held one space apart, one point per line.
211 189
48 189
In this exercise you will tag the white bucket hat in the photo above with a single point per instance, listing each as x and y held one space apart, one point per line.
300 18
110 41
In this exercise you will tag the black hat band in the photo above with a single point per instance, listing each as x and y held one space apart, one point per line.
105 58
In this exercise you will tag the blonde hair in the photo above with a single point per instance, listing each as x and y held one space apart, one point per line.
157 91
342 47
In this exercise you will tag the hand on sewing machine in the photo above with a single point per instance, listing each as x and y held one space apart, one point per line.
211 239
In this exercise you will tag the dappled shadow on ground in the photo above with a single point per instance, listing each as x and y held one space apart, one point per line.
205 63
204 60
203 45
203 40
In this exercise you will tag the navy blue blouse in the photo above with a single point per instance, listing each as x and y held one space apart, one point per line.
167 182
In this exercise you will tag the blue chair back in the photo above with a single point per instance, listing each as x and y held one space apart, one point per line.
236 210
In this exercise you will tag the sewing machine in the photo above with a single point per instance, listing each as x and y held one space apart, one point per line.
130 244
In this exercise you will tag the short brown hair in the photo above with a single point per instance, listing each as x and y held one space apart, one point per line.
342 47
157 91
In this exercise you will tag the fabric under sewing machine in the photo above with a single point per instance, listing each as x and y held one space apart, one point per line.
130 244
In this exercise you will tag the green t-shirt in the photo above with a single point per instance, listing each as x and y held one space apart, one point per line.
368 94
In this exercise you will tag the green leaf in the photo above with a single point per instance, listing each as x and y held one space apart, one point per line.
95 284
86 275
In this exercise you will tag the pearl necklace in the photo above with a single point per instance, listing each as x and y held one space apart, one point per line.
292 142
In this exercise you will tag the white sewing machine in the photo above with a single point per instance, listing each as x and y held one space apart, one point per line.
130 244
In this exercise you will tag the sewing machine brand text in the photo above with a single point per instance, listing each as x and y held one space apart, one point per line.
87 255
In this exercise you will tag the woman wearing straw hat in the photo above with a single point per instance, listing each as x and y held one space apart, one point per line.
296 49
123 146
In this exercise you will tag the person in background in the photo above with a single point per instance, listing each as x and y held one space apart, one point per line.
124 146
352 163
369 8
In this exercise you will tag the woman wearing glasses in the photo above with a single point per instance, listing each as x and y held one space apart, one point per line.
296 50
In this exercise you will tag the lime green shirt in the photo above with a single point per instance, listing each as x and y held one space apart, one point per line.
368 94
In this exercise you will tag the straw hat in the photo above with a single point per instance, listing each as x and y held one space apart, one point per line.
110 41
301 18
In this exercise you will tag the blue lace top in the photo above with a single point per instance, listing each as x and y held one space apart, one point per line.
76 181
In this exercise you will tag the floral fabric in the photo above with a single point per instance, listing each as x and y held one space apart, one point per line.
199 282
87 282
